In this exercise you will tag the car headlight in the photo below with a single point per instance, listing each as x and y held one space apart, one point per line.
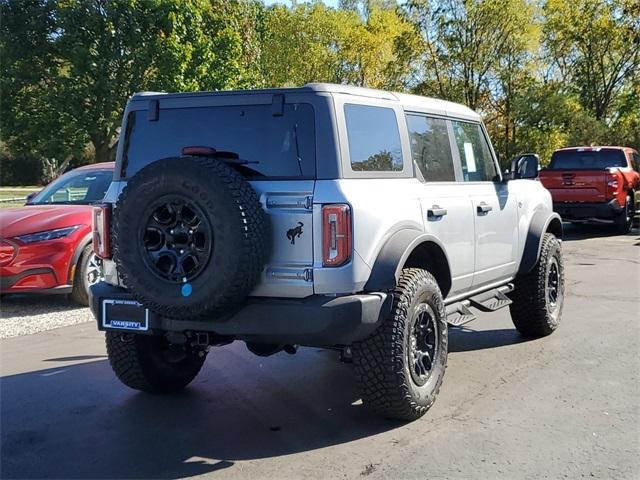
48 234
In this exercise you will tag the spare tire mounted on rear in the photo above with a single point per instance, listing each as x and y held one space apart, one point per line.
190 237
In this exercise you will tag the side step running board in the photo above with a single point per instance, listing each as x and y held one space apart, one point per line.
459 313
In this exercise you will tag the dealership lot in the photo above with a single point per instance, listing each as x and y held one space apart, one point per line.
562 406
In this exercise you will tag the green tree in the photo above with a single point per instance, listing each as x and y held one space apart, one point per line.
303 44
464 43
315 43
92 55
595 46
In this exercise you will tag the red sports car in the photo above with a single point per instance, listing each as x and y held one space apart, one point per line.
45 246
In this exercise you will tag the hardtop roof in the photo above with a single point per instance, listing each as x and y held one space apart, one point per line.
408 101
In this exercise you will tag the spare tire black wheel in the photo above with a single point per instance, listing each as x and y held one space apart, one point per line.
190 237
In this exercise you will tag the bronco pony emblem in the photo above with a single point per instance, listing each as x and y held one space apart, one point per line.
292 233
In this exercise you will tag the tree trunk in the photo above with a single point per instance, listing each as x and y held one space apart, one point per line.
105 150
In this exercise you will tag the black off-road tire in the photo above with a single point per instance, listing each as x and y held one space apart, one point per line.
533 312
147 363
237 225
382 362
624 221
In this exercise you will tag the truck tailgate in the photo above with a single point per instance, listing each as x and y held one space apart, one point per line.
575 185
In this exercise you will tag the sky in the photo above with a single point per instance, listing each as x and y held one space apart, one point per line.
331 3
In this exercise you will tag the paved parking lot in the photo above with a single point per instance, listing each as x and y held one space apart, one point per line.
567 406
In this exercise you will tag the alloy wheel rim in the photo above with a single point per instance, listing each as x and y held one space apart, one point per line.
93 271
176 240
553 284
423 344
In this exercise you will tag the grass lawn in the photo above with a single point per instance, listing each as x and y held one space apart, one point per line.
15 192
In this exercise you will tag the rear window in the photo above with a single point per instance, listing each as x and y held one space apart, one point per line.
374 138
275 146
587 159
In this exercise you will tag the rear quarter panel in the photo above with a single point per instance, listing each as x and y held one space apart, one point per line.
380 208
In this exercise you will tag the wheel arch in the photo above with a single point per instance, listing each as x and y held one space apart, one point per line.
77 253
542 222
410 248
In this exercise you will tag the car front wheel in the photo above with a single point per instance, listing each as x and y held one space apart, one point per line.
538 296
88 272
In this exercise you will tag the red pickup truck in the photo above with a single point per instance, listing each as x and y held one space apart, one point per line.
594 184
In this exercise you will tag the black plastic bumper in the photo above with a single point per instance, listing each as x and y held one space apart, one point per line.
585 211
314 321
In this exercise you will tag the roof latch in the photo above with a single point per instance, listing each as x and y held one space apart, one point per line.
277 105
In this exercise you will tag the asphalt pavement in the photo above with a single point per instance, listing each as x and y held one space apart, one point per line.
565 406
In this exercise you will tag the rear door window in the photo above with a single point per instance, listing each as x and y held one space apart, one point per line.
374 138
592 159
430 148
475 154
274 146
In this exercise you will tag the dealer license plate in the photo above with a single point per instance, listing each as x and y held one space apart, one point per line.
124 315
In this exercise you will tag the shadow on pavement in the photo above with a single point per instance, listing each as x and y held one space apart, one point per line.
576 231
80 422
466 340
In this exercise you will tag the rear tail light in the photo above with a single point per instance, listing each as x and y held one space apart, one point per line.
612 184
336 235
101 219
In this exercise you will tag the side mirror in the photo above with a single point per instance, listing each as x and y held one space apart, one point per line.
525 166
30 197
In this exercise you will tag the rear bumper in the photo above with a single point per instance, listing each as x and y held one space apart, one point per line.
588 210
312 321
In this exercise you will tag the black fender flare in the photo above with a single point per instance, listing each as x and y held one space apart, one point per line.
82 244
393 255
541 222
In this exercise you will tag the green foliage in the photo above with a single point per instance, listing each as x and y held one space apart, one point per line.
543 74
596 46
91 56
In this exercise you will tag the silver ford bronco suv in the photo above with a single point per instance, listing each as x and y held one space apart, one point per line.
326 216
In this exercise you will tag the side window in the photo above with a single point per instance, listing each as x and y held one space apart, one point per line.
430 148
475 155
635 160
374 139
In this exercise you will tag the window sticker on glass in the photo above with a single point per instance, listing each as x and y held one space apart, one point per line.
471 159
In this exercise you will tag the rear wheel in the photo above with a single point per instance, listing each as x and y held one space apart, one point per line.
539 294
399 369
624 222
151 364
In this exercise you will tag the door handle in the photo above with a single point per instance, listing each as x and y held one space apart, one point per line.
436 212
484 208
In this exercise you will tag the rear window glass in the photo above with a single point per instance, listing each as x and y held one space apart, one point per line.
587 160
374 138
274 146
431 148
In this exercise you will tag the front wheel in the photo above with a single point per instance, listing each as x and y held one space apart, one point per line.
399 369
88 272
151 364
539 294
